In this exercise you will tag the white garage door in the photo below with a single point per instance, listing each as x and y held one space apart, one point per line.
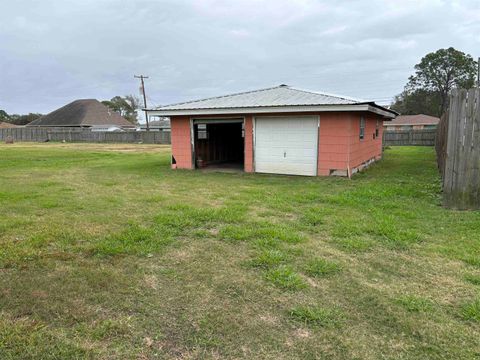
286 145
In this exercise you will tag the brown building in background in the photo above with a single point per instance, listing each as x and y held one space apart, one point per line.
411 122
82 113
5 125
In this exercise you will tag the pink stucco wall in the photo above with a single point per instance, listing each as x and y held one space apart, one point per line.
370 147
334 139
339 146
181 142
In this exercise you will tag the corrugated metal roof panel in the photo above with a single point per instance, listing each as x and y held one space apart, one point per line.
282 95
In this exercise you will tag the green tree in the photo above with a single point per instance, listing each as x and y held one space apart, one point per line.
438 73
4 116
23 119
126 106
418 101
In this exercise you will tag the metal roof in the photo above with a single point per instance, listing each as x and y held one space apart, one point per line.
282 95
279 98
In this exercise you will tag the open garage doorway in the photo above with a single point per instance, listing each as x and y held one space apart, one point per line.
219 144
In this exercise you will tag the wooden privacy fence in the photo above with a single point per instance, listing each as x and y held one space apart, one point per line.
24 134
458 150
409 137
84 135
441 143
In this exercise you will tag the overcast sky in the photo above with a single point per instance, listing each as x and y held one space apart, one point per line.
55 51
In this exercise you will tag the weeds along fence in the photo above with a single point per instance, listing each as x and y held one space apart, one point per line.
409 137
84 135
458 150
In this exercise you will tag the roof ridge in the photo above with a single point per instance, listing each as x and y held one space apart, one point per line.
224 96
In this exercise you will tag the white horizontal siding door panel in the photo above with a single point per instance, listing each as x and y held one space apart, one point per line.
286 145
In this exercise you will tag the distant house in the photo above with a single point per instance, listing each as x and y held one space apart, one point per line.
83 113
412 122
163 124
5 125
279 130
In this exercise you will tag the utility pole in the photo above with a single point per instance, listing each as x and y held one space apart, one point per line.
141 77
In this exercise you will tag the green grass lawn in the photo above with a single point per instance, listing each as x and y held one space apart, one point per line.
107 253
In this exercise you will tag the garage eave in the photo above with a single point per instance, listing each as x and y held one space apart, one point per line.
273 110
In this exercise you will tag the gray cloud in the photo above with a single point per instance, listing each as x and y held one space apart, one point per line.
52 51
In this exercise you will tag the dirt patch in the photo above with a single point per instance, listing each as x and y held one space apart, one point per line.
151 281
302 333
39 294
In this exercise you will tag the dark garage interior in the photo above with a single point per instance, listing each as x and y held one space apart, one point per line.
219 145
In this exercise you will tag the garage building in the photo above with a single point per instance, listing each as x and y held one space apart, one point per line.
279 130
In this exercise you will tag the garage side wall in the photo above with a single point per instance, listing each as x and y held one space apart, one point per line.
340 150
248 164
369 149
334 141
181 142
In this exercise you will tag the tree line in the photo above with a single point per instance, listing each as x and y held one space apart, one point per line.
426 91
17 119
127 106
